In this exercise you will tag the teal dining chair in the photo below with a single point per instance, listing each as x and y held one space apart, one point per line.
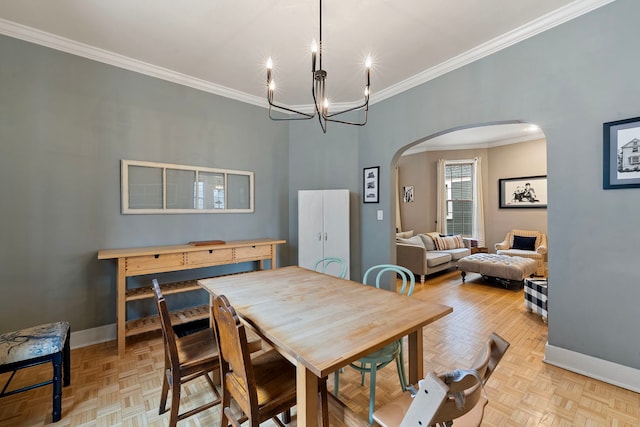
389 353
326 262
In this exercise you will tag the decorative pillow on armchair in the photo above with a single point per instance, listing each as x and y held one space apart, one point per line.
449 242
524 243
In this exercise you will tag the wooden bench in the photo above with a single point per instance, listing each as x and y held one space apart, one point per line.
34 346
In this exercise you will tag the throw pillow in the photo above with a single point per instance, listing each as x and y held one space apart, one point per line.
524 243
428 242
415 240
404 234
449 242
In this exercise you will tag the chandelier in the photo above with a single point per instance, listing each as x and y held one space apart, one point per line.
318 91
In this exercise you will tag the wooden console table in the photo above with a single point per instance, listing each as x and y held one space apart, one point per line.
162 259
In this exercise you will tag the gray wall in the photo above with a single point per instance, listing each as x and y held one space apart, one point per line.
505 161
569 80
65 124
321 162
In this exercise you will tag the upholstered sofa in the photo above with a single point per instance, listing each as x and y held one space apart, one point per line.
527 244
420 254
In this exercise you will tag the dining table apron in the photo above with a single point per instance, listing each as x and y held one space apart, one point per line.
321 323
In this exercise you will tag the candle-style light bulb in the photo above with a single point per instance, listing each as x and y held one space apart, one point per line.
366 91
269 68
314 52
272 85
367 64
325 105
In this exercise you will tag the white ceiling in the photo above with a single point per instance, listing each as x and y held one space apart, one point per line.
480 137
221 46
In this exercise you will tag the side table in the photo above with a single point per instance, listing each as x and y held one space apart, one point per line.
535 296
479 250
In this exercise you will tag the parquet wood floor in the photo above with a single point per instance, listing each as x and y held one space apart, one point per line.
108 391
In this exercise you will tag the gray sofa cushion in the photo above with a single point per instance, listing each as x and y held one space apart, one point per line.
404 234
456 254
435 259
415 240
428 242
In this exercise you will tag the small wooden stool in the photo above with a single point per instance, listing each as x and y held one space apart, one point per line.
34 346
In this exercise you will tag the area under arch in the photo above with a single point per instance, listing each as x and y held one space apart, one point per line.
508 150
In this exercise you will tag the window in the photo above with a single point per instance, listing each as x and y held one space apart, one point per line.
459 188
156 188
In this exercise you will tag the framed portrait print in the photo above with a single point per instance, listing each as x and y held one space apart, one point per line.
371 184
524 192
407 194
621 154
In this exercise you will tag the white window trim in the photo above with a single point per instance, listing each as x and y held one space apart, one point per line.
126 209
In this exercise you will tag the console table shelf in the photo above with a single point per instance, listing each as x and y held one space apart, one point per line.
152 323
163 259
167 289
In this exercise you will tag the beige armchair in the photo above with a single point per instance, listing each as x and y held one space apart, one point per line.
524 248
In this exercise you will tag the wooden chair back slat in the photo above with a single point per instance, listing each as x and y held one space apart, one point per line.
171 348
235 358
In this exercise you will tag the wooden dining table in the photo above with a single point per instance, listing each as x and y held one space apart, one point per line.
321 323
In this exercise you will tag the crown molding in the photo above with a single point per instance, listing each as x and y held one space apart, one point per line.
537 26
553 19
63 44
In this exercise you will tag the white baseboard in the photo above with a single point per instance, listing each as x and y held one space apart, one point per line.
603 370
93 336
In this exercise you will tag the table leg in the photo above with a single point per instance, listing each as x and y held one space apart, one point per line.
307 397
121 312
416 352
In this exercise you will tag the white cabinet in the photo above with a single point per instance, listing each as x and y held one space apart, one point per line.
323 226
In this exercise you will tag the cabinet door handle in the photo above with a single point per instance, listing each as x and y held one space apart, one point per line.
320 237
325 236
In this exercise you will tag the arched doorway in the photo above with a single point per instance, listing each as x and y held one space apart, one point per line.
510 150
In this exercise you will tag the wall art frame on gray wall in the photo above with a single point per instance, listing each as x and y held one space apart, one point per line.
621 154
524 192
371 185
167 188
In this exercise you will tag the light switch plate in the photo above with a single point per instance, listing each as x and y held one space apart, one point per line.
380 215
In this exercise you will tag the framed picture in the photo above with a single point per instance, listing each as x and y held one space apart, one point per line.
371 184
407 194
525 192
621 154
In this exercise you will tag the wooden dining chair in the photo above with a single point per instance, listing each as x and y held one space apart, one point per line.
326 262
391 352
466 398
263 386
185 358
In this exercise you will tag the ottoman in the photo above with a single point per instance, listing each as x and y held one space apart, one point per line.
507 270
535 296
